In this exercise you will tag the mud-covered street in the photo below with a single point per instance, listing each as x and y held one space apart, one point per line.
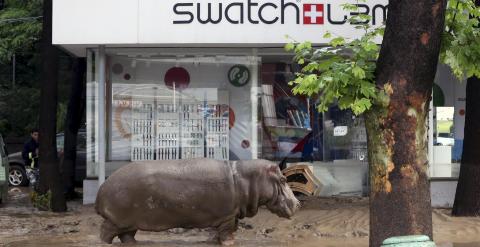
320 222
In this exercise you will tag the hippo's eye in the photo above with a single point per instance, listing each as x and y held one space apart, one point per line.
283 180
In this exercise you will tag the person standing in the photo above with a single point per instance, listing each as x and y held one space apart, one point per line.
30 150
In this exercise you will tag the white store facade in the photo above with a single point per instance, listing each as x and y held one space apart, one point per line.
177 79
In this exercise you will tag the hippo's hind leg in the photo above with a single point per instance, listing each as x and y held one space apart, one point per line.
128 237
225 232
108 231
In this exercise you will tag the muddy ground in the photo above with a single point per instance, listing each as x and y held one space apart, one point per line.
322 222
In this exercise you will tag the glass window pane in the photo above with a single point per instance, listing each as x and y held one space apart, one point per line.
179 107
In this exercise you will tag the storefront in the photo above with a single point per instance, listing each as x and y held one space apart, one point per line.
177 79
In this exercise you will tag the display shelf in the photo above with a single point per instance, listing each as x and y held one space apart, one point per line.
143 138
217 136
193 122
184 131
168 132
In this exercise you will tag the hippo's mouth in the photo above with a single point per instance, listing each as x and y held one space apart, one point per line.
285 215
283 211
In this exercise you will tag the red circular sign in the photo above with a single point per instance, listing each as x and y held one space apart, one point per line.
462 112
231 118
178 76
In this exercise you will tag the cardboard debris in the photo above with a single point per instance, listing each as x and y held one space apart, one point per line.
302 180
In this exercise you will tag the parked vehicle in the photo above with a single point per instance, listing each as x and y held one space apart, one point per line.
445 139
17 175
3 171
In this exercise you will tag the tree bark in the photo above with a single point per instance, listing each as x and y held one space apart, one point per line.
397 124
75 110
50 177
467 198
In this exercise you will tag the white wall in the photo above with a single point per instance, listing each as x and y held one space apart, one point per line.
95 21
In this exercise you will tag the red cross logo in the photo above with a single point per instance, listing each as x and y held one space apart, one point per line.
313 14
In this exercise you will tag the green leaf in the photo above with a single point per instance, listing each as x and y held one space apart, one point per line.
337 41
289 47
358 72
461 40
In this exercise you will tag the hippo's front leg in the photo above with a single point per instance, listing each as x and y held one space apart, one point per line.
225 231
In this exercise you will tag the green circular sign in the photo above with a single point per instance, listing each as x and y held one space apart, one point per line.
239 75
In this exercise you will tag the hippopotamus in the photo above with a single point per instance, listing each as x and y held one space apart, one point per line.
193 193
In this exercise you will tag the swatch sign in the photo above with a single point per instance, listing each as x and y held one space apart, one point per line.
272 12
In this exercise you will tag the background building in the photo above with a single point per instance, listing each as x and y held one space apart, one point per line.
177 79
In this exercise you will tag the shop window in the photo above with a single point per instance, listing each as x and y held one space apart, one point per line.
167 108
345 136
295 131
287 122
187 106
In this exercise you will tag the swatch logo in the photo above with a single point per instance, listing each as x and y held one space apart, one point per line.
313 14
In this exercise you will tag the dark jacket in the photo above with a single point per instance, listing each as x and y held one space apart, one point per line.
30 147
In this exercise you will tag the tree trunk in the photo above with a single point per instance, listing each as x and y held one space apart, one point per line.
50 177
467 198
75 110
397 125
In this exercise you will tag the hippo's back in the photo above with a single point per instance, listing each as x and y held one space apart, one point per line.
157 195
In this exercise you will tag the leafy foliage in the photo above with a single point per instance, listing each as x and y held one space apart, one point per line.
344 72
461 40
20 33
19 110
41 201
20 27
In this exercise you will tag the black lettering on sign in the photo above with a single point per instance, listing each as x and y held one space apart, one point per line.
329 17
366 12
250 5
256 12
260 15
227 13
284 8
374 13
184 12
209 16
